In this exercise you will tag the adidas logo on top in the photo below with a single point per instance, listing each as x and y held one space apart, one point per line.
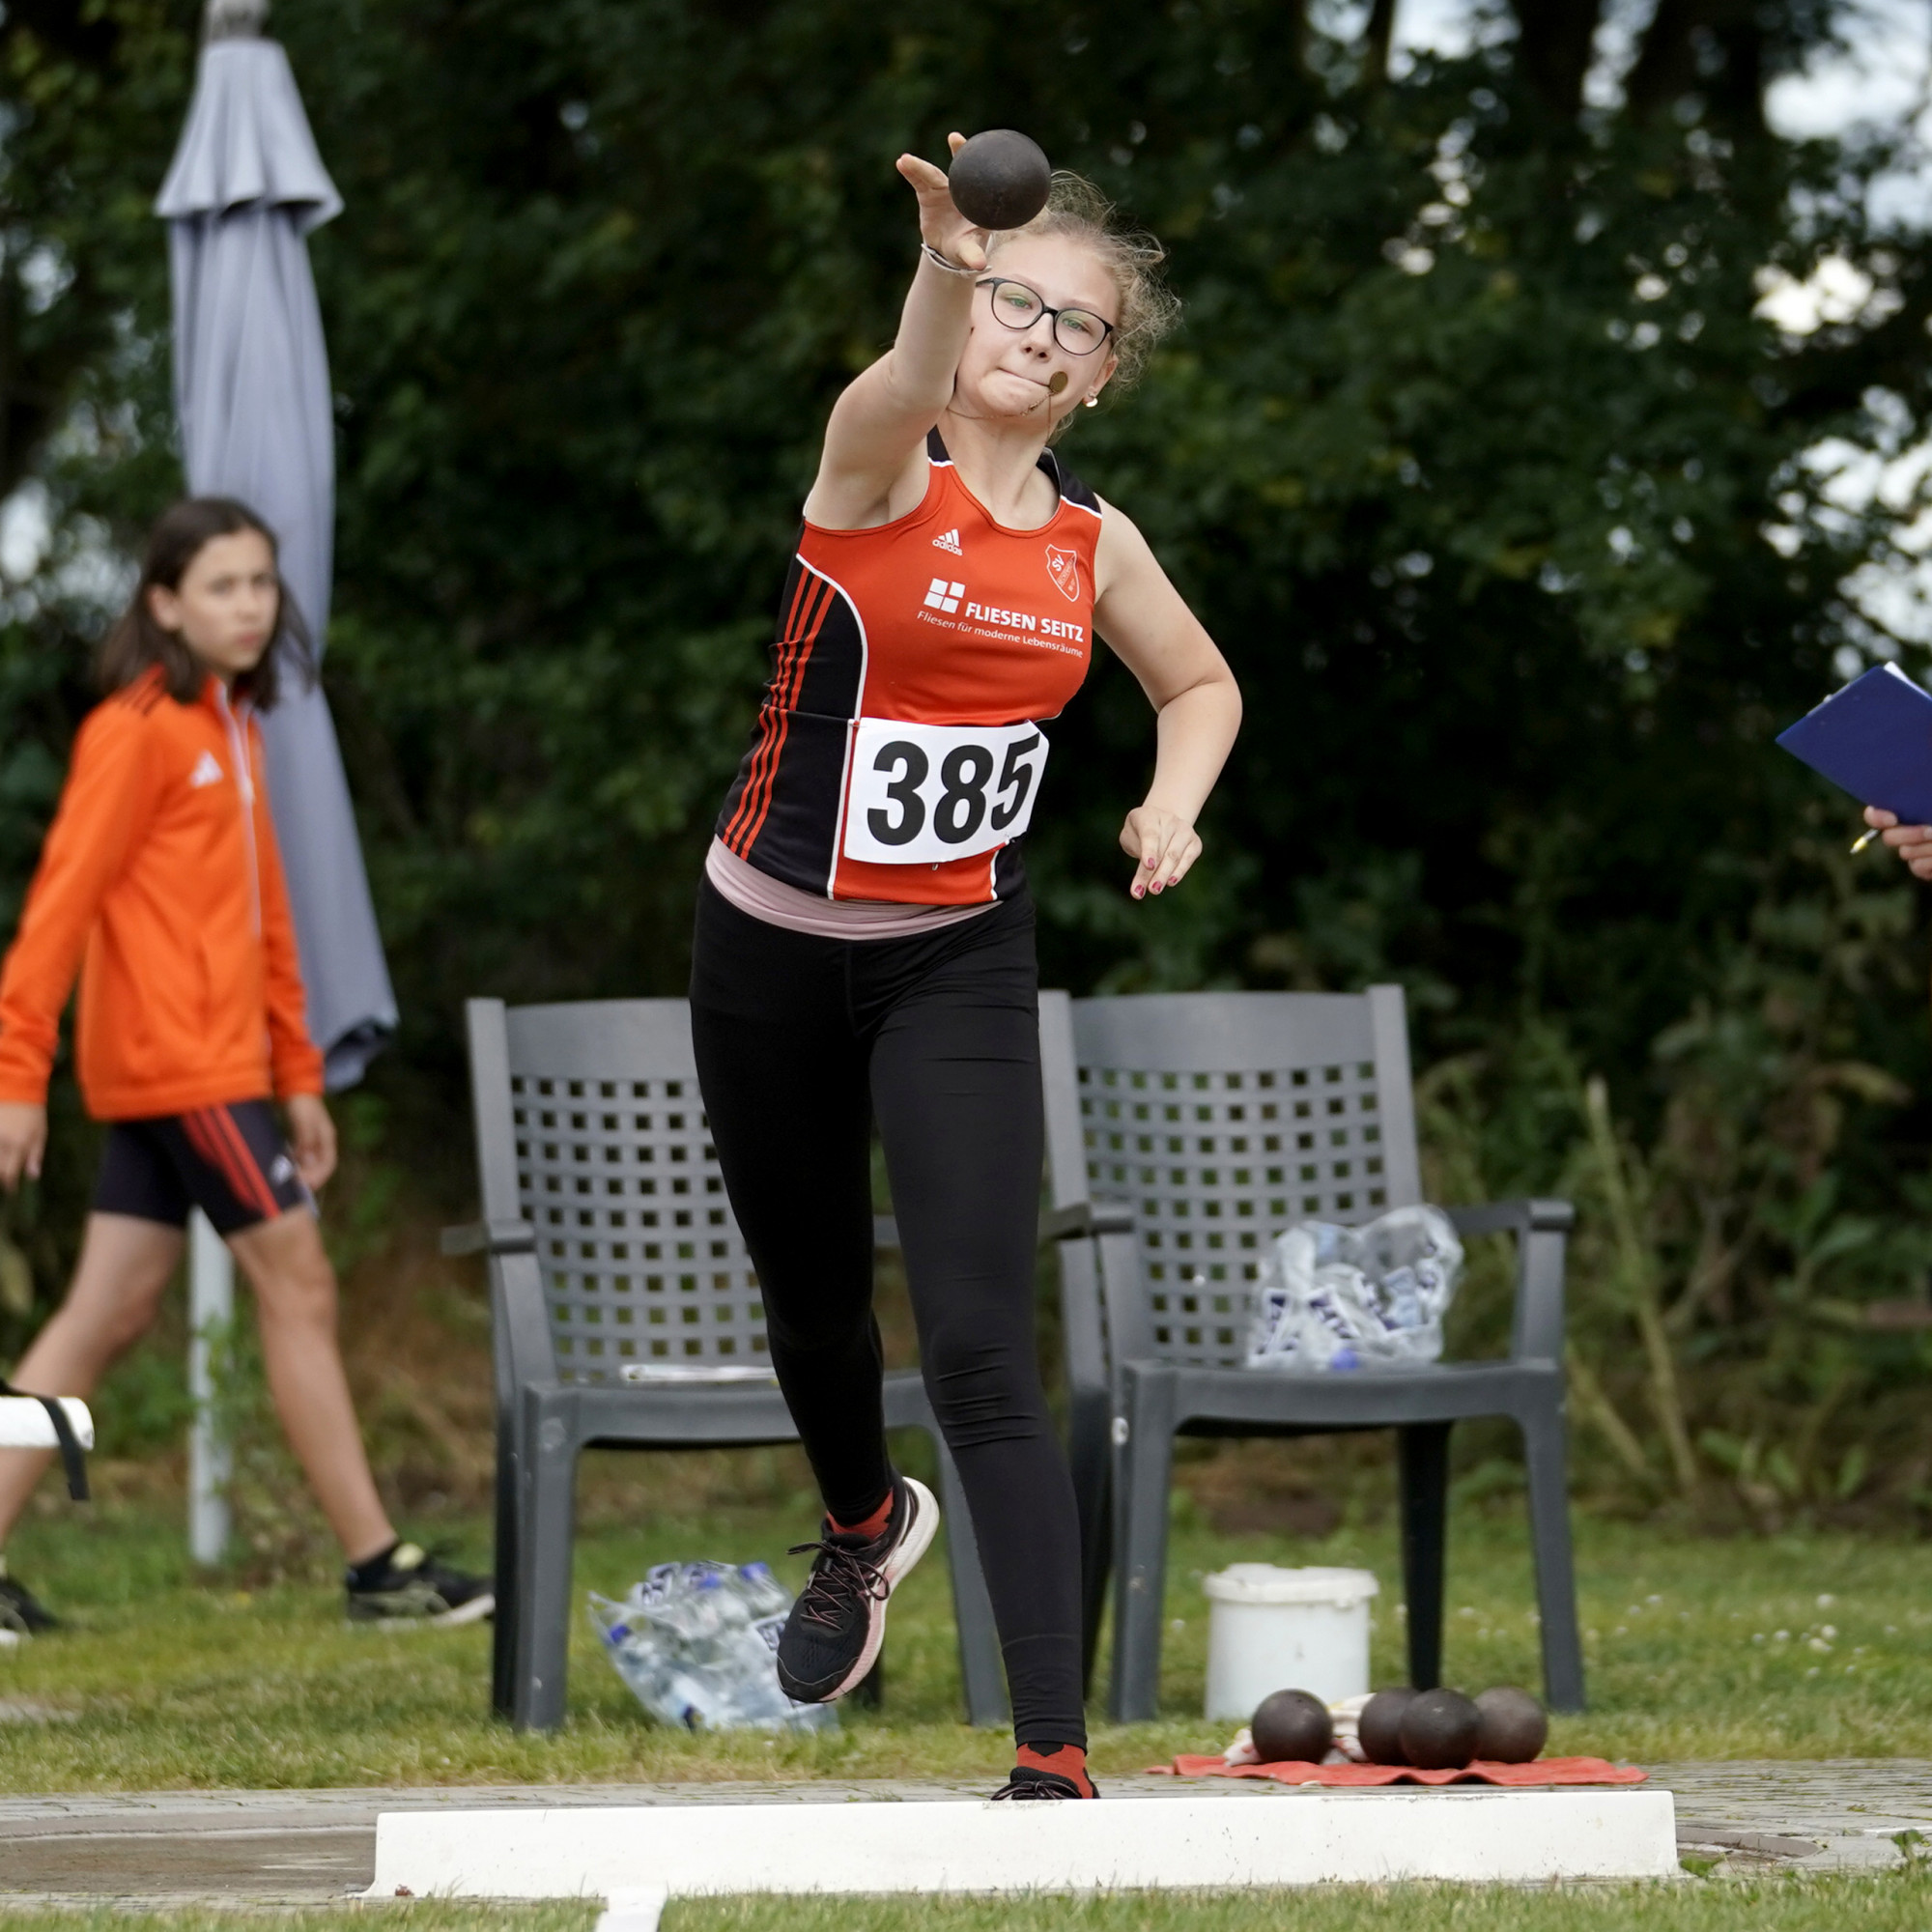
943 596
206 773
949 540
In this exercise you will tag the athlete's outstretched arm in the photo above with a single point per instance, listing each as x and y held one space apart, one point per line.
877 432
1196 701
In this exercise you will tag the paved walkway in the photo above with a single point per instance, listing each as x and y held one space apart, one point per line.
1845 1815
310 1847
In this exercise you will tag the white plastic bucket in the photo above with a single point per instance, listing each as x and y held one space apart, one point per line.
1270 1629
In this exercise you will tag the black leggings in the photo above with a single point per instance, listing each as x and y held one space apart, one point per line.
801 1042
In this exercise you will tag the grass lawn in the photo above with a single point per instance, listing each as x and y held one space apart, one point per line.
1902 1904
1802 1646
1798 1646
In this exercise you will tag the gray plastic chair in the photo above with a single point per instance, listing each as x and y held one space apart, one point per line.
624 1311
1187 1130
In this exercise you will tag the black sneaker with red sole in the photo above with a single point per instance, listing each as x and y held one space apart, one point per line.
832 1638
1027 1783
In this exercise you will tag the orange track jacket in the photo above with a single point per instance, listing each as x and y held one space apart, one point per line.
161 869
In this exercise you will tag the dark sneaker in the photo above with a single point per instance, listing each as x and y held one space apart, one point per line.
20 1611
1027 1783
833 1635
411 1587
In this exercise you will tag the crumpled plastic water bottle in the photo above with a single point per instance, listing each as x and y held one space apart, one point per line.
698 1642
1331 1297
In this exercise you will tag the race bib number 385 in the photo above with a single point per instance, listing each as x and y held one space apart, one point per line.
922 794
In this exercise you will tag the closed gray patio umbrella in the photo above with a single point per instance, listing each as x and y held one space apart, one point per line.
251 388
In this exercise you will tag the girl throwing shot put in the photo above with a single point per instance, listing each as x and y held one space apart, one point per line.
160 883
864 941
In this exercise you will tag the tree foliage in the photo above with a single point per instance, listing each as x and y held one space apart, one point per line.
1474 454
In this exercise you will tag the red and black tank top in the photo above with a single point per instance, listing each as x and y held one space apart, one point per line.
898 750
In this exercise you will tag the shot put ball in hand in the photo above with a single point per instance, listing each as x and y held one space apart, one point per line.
1000 179
1439 1730
1292 1727
1379 1726
1515 1726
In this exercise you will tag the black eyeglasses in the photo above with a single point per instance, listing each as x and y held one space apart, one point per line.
1078 331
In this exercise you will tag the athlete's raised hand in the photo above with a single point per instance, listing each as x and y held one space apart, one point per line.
23 1140
940 223
1164 842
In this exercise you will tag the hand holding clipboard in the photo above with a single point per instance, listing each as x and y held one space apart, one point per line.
1874 739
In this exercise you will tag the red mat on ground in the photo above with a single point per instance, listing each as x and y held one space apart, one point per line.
1347 1776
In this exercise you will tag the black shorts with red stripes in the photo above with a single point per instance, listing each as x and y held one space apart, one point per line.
231 1162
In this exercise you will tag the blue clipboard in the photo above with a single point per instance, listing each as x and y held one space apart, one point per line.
1873 739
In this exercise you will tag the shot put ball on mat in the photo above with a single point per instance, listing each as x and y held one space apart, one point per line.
1000 179
1379 1726
1439 1730
1292 1727
1515 1726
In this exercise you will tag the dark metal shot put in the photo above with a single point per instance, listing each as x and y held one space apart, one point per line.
1515 1726
1292 1727
1000 179
1439 1730
1379 1726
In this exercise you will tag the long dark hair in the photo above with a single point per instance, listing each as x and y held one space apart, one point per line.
137 640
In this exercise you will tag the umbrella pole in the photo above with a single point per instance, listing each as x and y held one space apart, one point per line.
211 1306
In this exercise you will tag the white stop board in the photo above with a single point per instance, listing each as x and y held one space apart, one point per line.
1190 1839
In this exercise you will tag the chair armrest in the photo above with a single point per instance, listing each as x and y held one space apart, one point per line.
490 1238
521 1348
1082 1219
1081 1234
1542 1229
1057 1224
1514 1217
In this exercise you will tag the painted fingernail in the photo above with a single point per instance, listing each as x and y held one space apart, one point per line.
1155 888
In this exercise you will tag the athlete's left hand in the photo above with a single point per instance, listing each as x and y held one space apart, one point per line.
311 1138
1164 842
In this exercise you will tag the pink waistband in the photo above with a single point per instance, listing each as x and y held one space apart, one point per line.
777 903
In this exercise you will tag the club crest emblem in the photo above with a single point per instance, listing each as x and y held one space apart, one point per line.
1064 566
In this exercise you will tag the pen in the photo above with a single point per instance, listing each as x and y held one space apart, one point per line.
1865 840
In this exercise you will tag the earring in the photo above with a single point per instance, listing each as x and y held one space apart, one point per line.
1093 402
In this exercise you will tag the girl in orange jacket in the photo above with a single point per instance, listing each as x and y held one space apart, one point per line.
161 884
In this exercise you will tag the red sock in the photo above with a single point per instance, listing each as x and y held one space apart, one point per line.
1069 1760
870 1528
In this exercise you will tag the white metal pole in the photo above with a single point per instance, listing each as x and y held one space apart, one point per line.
210 1309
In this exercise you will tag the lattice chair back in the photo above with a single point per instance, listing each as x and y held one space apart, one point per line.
1220 1118
640 1256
